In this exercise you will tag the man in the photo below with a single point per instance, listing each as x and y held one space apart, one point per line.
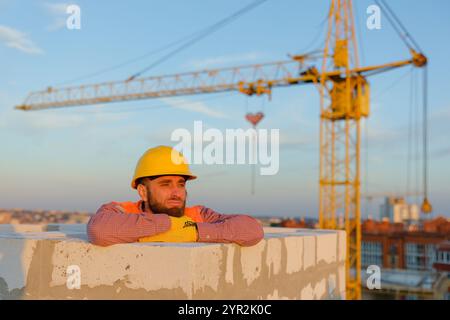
160 180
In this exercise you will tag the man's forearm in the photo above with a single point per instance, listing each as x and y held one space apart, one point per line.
240 229
111 226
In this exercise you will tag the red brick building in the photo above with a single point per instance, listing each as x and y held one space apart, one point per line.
395 245
442 262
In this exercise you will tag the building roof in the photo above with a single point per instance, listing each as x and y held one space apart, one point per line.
410 280
438 227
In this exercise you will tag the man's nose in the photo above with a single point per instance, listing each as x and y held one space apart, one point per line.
177 191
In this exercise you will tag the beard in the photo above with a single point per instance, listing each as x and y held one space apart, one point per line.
158 208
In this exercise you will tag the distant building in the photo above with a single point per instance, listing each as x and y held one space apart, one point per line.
5 217
307 223
407 285
422 253
22 216
442 262
393 245
397 210
293 223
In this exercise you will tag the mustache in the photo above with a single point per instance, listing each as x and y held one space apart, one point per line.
175 198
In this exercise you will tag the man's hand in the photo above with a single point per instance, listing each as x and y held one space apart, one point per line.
182 229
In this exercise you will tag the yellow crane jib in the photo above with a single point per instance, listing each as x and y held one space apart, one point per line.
258 88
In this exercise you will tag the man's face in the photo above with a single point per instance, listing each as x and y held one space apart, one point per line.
166 194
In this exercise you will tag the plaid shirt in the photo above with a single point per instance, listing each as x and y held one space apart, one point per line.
111 225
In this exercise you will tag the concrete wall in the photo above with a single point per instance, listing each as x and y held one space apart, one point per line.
56 262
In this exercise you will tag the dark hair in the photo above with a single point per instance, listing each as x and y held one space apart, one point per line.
142 180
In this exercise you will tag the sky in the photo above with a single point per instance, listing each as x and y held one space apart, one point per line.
79 158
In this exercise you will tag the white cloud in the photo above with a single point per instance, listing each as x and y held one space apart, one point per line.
36 121
58 13
53 120
16 39
194 106
223 60
56 8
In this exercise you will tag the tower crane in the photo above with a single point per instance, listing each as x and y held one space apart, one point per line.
344 99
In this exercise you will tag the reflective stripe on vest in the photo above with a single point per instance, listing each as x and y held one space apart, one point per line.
135 208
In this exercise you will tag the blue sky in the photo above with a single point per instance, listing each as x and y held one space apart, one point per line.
78 158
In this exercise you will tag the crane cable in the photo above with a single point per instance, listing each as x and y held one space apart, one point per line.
413 155
399 27
410 132
184 39
209 30
130 61
425 140
414 47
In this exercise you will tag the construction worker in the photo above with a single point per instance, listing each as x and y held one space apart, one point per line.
161 216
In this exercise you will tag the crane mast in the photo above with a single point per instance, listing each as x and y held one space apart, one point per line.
343 101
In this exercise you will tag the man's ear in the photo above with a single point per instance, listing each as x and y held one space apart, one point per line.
142 191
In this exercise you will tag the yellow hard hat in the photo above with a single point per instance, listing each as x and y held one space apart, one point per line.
161 160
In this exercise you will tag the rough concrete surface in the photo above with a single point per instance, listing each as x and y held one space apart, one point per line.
57 262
